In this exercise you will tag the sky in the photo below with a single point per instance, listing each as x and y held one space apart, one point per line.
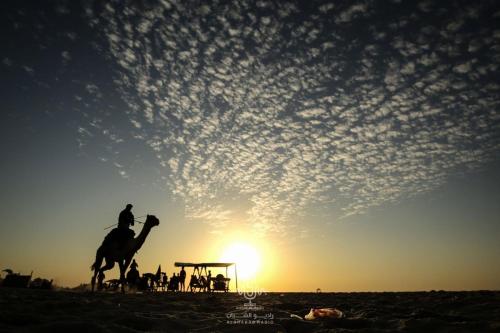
354 145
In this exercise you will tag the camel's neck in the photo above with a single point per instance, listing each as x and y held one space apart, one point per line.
139 240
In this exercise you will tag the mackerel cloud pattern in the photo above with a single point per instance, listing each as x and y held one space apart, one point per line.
345 104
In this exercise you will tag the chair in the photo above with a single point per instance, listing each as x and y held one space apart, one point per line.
221 283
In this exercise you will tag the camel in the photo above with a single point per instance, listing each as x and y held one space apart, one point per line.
112 251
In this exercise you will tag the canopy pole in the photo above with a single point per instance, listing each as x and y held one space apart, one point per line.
236 276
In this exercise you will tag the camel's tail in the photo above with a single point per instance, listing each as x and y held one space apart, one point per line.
98 260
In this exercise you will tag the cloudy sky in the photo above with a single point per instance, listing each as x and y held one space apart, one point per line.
326 127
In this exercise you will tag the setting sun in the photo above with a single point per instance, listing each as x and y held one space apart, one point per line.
246 257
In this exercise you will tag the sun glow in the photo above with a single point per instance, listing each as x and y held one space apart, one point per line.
246 257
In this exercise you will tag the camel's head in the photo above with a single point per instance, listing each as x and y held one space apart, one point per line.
151 221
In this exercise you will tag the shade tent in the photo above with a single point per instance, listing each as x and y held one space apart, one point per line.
205 265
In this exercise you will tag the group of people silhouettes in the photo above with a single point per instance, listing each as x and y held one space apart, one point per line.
158 281
201 283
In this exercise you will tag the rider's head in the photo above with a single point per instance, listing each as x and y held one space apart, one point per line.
129 206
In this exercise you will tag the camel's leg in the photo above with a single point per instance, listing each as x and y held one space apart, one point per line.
126 264
96 266
92 281
109 265
123 267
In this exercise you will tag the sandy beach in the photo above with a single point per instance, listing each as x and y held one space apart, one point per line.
24 310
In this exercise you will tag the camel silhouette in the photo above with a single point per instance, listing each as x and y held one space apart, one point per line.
113 251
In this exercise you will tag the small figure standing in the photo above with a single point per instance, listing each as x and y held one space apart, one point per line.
133 275
182 279
209 280
164 281
174 283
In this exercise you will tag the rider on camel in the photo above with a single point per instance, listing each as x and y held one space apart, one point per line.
126 219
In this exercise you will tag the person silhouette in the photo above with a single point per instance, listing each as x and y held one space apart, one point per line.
133 265
174 283
164 281
193 283
126 219
133 275
182 279
203 283
209 280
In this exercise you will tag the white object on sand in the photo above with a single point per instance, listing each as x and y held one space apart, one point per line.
323 313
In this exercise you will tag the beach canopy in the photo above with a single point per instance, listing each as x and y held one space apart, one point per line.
204 264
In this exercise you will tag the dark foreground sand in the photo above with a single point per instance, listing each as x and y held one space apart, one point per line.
65 311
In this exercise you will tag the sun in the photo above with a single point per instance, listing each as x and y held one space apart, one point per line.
246 257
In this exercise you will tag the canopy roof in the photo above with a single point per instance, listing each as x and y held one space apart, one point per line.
204 264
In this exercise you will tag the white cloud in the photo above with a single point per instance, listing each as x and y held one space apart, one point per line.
7 62
348 14
463 68
311 113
